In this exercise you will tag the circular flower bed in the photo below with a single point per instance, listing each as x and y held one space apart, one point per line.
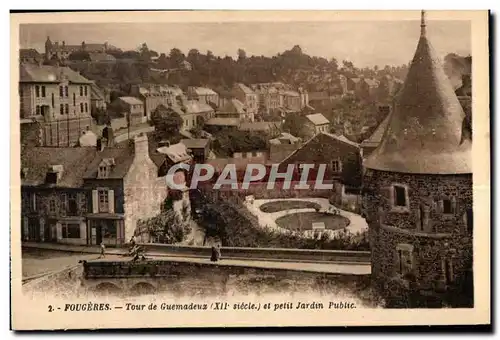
272 207
304 220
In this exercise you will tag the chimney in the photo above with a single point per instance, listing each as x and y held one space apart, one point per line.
141 145
101 143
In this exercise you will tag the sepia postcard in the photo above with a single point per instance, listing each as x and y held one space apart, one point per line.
249 169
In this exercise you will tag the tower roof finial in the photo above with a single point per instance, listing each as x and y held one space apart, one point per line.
422 23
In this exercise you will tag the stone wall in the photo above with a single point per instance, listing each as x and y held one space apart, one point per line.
444 241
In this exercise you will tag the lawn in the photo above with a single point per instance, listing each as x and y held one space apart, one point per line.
272 207
303 221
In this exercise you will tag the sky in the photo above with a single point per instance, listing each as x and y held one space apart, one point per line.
365 43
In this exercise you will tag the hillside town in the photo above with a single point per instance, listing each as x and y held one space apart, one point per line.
101 127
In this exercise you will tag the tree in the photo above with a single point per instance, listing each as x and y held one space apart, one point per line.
242 55
176 57
167 227
167 122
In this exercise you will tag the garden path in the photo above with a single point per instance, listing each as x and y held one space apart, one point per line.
357 224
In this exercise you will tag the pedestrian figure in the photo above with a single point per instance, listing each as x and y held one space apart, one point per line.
103 250
132 241
215 254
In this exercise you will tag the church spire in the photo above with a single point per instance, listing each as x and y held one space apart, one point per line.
422 24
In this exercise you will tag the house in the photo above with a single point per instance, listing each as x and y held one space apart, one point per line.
174 155
200 148
282 146
233 108
153 95
195 113
248 98
324 148
88 195
130 107
203 95
59 99
417 193
30 56
315 123
98 99
55 50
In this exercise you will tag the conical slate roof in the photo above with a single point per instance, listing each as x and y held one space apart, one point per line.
425 133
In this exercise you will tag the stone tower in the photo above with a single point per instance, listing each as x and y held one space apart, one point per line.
417 193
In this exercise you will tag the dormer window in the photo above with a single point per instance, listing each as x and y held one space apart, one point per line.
105 167
103 171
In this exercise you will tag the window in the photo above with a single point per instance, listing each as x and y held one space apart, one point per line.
61 109
52 99
37 91
66 92
67 108
103 171
33 202
86 107
447 268
74 99
81 91
103 200
82 202
43 91
86 88
72 204
71 230
64 203
38 110
336 165
52 206
81 107
399 196
404 261
109 229
61 91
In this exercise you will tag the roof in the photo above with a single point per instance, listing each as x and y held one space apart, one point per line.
223 121
320 135
244 88
194 106
131 100
376 137
204 91
233 105
258 126
31 73
28 53
96 56
176 152
74 161
371 82
284 136
318 119
96 92
123 158
196 143
426 133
